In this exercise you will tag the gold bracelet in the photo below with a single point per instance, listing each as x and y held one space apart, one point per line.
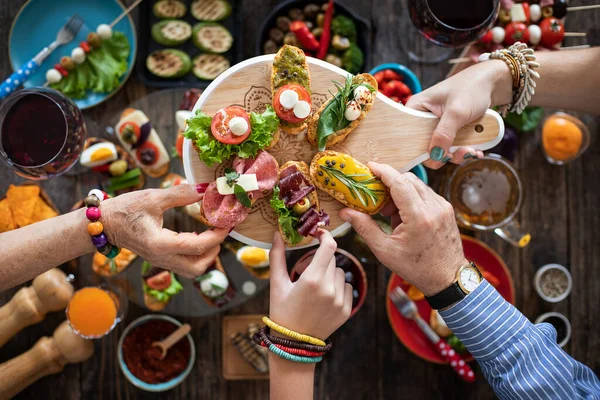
294 335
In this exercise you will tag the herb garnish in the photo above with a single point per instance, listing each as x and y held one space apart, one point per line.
358 189
231 177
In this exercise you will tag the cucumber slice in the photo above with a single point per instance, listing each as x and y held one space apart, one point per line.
168 63
169 9
171 32
209 66
210 10
212 37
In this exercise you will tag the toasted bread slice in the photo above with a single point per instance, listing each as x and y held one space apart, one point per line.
312 197
314 169
288 128
153 304
342 134
218 267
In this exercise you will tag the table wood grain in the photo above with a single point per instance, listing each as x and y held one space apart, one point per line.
560 210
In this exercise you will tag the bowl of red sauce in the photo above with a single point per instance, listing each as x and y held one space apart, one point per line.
354 273
141 363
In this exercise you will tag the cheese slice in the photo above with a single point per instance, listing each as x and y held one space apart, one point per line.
139 118
517 13
247 181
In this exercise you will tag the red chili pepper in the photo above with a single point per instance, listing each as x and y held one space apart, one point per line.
85 46
101 168
61 69
304 35
326 34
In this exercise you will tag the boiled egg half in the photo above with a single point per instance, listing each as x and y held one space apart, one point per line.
253 257
98 154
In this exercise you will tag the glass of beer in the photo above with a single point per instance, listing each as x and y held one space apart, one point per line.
486 195
94 311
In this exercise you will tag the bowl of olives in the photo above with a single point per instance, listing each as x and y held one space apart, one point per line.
349 37
354 274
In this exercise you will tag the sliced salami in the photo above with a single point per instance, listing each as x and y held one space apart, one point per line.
294 187
266 169
222 211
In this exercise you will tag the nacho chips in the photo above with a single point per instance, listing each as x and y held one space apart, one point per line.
7 223
23 206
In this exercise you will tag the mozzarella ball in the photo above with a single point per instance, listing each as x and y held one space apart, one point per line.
288 99
535 12
302 109
535 34
498 34
352 111
238 126
104 31
362 95
78 55
53 76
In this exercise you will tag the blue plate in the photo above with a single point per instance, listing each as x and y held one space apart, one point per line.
38 22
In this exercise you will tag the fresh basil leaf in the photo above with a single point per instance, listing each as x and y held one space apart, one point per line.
217 287
231 176
329 123
242 196
202 277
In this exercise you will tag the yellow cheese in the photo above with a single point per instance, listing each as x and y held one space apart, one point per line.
353 172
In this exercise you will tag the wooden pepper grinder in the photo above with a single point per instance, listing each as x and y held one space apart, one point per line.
50 291
49 355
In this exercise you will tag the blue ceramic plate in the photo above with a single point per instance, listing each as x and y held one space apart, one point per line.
38 22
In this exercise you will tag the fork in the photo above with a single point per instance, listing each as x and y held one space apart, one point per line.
64 36
408 309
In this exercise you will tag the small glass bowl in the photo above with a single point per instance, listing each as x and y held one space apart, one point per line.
585 140
538 287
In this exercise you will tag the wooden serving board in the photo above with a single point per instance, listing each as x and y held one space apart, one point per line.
390 134
234 366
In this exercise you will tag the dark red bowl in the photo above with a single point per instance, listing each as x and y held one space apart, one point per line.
357 270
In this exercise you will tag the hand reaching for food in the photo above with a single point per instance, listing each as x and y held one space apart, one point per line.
135 221
425 247
320 301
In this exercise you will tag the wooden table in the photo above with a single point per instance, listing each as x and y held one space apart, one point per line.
560 210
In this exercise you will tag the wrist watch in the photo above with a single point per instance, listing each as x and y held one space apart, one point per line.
468 278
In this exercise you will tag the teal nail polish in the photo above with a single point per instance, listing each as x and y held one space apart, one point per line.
468 155
436 153
446 159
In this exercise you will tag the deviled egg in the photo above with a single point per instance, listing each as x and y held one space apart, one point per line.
98 154
253 257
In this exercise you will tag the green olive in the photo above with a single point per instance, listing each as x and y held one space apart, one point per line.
321 20
94 40
118 168
302 206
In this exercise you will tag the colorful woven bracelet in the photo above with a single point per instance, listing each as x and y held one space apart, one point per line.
296 352
290 357
95 227
290 342
294 335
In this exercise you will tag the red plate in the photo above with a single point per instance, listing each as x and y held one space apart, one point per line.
409 333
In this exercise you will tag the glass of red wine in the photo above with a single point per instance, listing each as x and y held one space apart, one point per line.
41 133
450 24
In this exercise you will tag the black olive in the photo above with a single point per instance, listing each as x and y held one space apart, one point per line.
332 162
296 14
320 173
332 183
283 23
286 72
147 156
349 276
342 165
327 162
295 74
311 11
276 35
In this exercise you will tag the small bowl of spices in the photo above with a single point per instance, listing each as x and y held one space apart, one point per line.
553 282
141 362
560 323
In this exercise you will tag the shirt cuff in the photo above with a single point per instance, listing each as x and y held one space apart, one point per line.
485 323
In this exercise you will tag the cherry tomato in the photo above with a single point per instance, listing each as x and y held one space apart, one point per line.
379 77
288 114
147 153
403 89
553 32
160 281
487 38
516 32
389 75
385 89
130 132
220 125
179 145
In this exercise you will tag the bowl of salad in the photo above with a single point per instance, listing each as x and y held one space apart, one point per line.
339 36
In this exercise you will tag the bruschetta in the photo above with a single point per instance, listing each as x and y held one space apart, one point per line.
214 285
159 286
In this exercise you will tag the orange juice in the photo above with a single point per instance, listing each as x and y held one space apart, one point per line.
92 312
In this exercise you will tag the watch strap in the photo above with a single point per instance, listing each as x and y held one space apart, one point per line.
446 297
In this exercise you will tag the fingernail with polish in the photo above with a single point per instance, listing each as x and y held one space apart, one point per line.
446 159
468 155
201 187
436 153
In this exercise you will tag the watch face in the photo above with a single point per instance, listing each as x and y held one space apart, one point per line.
469 279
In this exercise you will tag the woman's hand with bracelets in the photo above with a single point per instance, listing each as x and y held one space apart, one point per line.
135 221
320 301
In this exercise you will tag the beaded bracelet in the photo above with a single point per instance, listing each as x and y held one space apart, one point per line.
297 352
290 357
95 227
294 335
290 342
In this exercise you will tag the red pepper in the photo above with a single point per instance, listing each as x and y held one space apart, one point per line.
326 34
101 168
61 69
304 35
85 46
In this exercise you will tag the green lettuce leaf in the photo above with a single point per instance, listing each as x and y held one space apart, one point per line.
107 69
212 151
117 46
527 121
164 295
286 217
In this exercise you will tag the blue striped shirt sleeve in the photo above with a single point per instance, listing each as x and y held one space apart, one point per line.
520 360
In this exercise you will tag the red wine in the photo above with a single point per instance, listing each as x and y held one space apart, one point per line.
461 14
34 131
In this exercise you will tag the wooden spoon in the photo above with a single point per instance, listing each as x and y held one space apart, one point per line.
173 338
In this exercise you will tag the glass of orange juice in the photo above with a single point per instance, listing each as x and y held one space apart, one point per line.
94 311
563 138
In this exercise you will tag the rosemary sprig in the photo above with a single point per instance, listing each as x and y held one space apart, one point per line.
341 98
358 188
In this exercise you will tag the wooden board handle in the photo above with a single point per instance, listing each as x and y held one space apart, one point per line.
48 356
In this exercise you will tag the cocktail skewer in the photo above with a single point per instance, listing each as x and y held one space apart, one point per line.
582 8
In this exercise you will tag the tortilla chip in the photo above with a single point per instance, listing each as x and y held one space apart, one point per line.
42 211
7 223
22 201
